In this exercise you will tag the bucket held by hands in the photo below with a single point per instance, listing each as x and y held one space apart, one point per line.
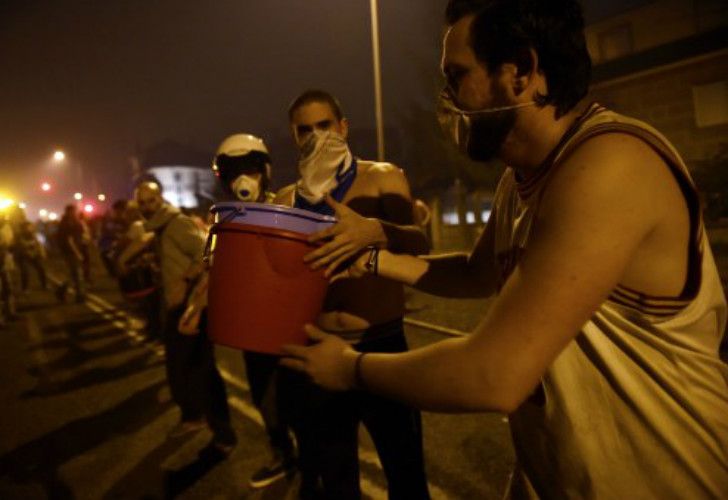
261 292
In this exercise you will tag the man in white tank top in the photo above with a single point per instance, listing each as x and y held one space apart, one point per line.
602 341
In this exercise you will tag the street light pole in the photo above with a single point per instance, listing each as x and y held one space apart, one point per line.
377 80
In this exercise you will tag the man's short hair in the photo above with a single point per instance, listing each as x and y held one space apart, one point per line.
316 95
504 31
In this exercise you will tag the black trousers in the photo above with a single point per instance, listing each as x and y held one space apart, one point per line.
263 371
326 427
194 380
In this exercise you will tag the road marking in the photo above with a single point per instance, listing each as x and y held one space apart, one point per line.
436 328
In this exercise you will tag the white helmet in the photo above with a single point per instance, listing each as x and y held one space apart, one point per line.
240 145
242 154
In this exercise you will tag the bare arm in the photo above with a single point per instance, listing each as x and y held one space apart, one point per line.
594 217
133 249
457 275
395 229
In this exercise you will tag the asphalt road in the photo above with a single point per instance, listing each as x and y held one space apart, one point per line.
86 413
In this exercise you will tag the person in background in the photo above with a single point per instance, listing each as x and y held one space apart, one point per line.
136 267
601 343
365 313
194 380
33 254
111 232
70 239
243 166
85 246
7 292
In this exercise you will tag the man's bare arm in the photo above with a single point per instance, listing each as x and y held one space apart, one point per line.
394 230
456 275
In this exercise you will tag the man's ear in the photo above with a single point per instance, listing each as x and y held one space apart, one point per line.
522 72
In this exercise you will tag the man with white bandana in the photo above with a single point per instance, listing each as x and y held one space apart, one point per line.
333 181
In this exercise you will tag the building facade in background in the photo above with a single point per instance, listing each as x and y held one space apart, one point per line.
667 63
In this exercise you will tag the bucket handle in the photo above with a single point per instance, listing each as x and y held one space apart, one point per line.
234 212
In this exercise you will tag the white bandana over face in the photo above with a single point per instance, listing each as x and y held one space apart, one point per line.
324 156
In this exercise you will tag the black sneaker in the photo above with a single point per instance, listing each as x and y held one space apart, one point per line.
269 474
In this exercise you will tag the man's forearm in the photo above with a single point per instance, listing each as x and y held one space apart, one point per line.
443 275
442 377
405 239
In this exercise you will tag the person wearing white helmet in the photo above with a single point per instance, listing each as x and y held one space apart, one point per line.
243 166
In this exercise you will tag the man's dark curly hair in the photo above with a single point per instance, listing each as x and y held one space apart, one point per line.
505 31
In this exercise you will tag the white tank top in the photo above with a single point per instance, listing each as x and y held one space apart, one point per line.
636 406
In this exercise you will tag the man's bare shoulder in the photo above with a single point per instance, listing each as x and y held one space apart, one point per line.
386 176
616 158
284 196
378 168
612 173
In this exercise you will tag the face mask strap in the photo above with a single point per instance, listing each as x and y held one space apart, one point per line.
450 104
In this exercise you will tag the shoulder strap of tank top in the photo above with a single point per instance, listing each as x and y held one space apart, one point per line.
680 172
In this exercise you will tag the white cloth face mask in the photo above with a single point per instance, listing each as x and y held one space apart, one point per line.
246 187
324 154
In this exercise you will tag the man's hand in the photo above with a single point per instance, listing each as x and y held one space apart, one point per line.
356 269
348 237
189 323
329 362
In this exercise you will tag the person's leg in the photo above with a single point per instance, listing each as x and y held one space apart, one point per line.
6 293
86 263
22 261
74 269
149 308
261 370
178 350
39 266
338 442
396 431
208 387
326 432
298 406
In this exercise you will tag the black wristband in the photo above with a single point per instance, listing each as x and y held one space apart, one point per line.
358 379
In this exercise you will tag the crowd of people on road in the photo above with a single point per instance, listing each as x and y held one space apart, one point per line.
20 251
601 343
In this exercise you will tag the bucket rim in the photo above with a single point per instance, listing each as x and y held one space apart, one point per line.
272 208
236 227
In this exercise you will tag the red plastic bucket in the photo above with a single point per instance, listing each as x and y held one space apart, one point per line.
261 292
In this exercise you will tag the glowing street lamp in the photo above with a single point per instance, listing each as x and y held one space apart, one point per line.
46 186
88 208
102 197
77 196
22 205
53 216
43 213
59 155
